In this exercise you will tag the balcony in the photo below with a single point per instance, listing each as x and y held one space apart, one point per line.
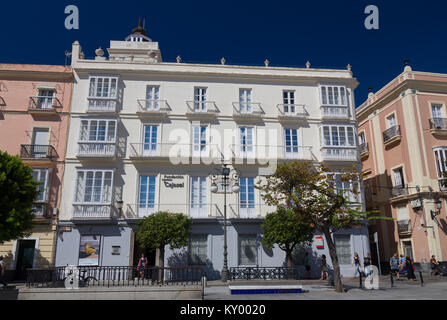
102 105
292 112
391 136
153 108
250 211
271 153
442 184
364 150
43 105
174 152
335 113
195 211
97 149
41 210
404 227
202 109
339 154
438 126
247 111
83 211
2 104
38 152
399 191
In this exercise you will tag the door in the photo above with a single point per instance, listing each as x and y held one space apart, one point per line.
246 150
291 136
437 116
247 198
40 142
200 137
150 146
146 205
200 99
152 98
25 257
46 99
198 197
289 103
407 249
245 101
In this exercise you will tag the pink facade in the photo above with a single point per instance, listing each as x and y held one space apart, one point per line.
404 128
34 118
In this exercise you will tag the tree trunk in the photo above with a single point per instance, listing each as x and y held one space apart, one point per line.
161 263
289 263
337 277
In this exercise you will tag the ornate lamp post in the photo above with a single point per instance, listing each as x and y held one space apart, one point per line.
226 177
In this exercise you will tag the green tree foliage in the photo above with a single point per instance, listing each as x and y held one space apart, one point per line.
286 229
18 191
309 190
164 228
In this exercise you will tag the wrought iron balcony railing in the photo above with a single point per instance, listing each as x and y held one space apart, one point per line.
153 107
272 152
339 153
44 104
438 123
97 149
247 109
102 104
391 133
173 150
335 112
28 151
404 226
87 211
193 210
250 210
202 108
363 148
399 191
292 111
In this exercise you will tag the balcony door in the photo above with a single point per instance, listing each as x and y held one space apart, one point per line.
291 140
200 141
198 207
146 205
245 101
40 141
247 198
289 103
46 99
246 147
150 146
152 98
437 116
200 99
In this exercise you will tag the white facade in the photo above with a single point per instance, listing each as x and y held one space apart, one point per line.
150 133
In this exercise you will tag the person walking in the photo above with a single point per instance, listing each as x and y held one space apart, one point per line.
307 265
2 273
434 264
394 265
367 263
402 264
142 265
324 269
357 264
410 268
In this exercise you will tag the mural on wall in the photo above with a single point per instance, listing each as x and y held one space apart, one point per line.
89 250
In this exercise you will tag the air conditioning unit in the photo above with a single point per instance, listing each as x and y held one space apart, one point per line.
416 203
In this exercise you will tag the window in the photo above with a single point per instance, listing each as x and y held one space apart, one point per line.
436 111
98 131
398 178
343 248
289 102
338 136
40 141
198 197
440 159
94 186
150 140
362 138
152 97
146 203
391 121
246 135
245 101
349 189
291 136
200 138
403 213
248 250
198 247
45 100
333 96
41 175
101 91
247 198
200 99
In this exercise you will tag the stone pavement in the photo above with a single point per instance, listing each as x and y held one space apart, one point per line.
433 289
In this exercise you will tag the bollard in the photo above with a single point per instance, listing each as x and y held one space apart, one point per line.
360 278
422 279
391 277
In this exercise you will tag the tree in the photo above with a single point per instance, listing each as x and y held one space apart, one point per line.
310 190
164 228
286 229
18 191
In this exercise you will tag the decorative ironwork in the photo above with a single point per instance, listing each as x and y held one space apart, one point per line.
391 133
438 123
254 273
399 191
363 148
37 152
404 226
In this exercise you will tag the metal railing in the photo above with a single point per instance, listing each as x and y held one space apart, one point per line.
247 109
250 210
85 211
116 276
404 226
271 152
96 149
339 153
153 106
292 110
174 150
255 273
193 210
363 148
391 133
102 104
438 123
399 191
44 103
442 184
31 151
202 107
335 112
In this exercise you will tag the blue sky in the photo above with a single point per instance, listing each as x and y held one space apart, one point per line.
330 34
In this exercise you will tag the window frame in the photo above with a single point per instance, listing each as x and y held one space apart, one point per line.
191 260
325 97
331 136
250 237
89 121
109 95
94 171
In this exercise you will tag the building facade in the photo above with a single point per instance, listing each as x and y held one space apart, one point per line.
34 120
146 135
402 132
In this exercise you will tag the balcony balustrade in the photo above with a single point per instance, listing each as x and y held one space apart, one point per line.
102 104
399 191
156 151
247 110
195 211
44 105
153 108
97 149
38 152
292 111
438 126
331 112
339 154
85 211
404 227
271 152
202 109
391 135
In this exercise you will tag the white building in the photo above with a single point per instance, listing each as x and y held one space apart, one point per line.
149 133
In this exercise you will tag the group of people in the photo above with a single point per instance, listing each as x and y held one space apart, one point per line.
358 264
402 264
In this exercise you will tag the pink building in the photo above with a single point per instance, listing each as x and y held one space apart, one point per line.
34 118
403 142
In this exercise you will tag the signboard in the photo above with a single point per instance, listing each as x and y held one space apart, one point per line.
89 250
319 242
174 182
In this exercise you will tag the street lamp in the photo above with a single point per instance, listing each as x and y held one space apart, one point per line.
119 206
226 177
434 214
